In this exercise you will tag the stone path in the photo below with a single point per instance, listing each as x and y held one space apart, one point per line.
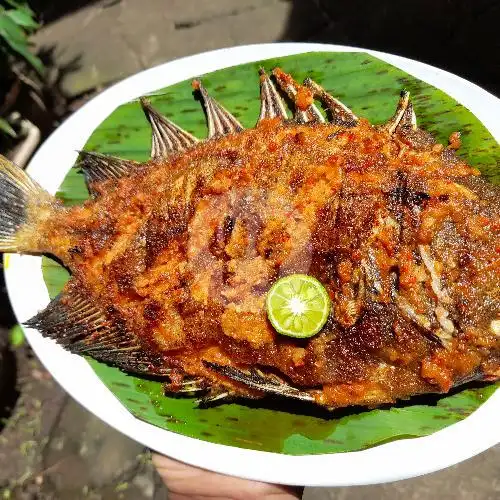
138 34
50 448
53 449
110 39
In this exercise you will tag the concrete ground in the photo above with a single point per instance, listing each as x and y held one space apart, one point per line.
110 39
50 448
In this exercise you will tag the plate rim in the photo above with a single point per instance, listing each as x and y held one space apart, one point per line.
384 463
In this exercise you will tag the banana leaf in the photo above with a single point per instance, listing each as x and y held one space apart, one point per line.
370 87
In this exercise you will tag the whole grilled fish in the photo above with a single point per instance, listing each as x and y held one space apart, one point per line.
171 259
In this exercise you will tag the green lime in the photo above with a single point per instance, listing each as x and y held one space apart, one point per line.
298 306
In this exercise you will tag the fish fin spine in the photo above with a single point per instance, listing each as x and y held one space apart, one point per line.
301 96
259 381
404 116
167 138
271 104
340 113
220 121
97 168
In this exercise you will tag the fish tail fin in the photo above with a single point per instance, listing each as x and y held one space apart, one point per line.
23 206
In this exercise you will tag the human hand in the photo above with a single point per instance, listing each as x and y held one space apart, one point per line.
185 482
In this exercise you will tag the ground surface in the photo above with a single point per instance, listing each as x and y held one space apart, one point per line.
50 448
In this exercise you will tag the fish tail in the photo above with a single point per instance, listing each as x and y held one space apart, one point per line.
24 206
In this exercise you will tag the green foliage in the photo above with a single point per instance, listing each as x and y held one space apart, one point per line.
6 128
17 23
16 336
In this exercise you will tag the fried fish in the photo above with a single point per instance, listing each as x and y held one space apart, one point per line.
171 259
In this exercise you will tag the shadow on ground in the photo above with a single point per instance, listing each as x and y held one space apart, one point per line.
460 36
8 389
51 11
8 364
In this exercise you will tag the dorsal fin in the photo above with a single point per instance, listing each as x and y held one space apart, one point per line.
98 167
167 138
220 121
409 118
404 115
84 328
294 92
271 104
341 114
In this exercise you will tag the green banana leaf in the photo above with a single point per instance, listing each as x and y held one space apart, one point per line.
370 87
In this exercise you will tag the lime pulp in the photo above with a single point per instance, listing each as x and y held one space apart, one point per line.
298 306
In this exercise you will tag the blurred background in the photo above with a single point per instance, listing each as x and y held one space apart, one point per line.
54 56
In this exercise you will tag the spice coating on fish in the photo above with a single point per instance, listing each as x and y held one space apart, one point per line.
171 259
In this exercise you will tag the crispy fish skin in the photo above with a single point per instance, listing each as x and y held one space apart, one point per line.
171 259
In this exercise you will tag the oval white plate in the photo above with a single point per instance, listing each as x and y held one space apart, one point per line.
388 462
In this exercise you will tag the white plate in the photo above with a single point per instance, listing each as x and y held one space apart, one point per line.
388 462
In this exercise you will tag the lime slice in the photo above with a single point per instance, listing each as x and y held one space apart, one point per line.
298 306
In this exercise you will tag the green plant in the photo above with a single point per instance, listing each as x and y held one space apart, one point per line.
16 336
17 23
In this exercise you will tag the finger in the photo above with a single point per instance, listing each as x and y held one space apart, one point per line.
192 482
